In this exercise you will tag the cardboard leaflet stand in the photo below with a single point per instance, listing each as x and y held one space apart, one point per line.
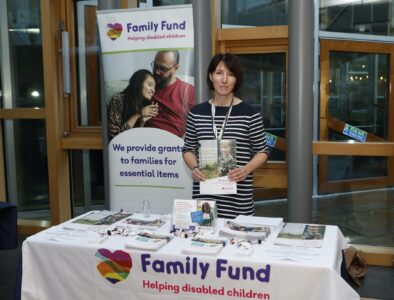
190 217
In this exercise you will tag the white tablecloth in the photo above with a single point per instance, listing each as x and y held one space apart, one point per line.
57 265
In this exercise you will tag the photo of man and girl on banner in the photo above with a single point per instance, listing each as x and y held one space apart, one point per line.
158 94
148 63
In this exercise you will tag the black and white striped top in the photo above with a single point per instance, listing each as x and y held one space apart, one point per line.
245 125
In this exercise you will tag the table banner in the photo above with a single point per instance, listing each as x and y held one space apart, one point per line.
71 269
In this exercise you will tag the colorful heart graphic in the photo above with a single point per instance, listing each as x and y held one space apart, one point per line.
115 30
114 267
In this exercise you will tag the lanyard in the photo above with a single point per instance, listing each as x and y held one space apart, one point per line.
219 135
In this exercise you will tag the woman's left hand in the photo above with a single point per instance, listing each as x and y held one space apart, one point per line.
149 112
238 174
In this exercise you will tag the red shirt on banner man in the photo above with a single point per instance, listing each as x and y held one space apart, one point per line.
174 96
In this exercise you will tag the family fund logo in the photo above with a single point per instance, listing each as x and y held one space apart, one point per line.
115 30
114 266
222 268
154 26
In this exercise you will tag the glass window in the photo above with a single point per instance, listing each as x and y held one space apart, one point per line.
364 217
362 17
358 97
87 175
358 91
26 165
264 87
355 167
88 85
26 53
238 13
170 2
151 3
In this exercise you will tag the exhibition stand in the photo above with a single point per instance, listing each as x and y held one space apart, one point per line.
70 262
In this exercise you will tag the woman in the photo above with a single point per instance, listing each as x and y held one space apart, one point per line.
227 117
133 106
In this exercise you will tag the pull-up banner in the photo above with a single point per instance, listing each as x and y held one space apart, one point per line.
148 65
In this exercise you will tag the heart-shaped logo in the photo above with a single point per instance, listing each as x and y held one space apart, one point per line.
115 30
114 266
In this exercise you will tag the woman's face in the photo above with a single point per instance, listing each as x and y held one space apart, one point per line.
148 87
223 80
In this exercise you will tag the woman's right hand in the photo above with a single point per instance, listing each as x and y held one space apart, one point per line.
113 130
198 175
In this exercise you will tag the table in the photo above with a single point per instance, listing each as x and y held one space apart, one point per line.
57 265
8 226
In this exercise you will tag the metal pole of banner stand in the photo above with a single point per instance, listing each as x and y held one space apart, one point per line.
300 122
104 5
202 47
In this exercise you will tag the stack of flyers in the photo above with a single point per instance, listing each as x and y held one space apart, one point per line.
138 221
204 245
247 231
148 241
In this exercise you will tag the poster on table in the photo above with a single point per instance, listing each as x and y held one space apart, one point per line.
144 150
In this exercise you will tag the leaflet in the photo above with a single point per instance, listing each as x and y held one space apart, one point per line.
218 186
305 235
148 241
203 245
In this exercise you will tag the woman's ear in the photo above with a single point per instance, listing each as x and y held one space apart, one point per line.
210 77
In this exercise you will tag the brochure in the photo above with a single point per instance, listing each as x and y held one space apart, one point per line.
245 230
218 186
306 235
194 214
139 221
273 223
203 245
97 220
148 241
217 158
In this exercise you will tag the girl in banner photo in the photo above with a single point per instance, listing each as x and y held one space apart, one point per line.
133 106
227 160
207 217
225 116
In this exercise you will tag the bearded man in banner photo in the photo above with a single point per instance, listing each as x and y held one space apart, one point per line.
174 96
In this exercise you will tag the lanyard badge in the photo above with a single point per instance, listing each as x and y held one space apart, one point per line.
219 134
